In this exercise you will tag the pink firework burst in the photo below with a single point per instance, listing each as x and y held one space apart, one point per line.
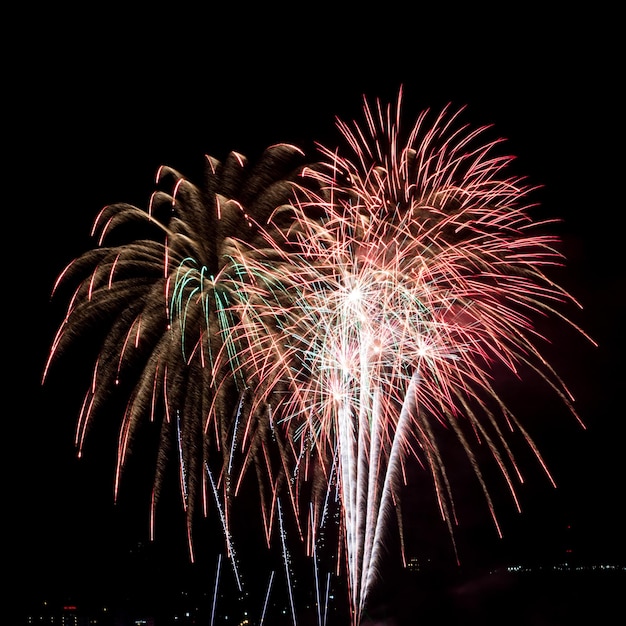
399 289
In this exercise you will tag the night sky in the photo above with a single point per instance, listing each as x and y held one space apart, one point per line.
99 101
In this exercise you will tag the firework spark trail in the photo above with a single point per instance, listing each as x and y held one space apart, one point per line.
229 543
372 491
267 597
391 474
286 561
318 600
217 578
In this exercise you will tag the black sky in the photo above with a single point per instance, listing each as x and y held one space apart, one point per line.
98 101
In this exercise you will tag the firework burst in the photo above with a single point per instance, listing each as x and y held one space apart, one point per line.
319 324
420 277
164 298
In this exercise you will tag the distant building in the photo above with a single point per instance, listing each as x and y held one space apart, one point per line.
54 614
49 614
415 565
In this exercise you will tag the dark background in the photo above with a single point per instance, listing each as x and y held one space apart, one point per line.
98 99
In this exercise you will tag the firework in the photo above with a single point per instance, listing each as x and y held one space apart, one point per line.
168 319
320 323
419 277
